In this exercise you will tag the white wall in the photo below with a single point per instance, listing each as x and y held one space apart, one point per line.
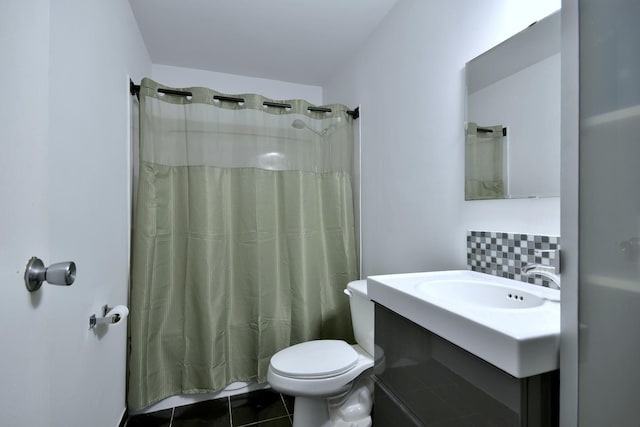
95 46
24 368
67 175
409 80
232 84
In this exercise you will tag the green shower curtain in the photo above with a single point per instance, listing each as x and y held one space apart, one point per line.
243 238
486 169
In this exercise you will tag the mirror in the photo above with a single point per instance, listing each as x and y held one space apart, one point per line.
512 135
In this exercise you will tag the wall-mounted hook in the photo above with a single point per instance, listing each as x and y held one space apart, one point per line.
62 273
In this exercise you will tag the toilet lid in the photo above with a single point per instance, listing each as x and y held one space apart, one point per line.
315 359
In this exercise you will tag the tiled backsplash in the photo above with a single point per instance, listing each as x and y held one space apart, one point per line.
504 254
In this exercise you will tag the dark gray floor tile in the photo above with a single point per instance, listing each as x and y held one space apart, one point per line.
257 406
154 419
211 413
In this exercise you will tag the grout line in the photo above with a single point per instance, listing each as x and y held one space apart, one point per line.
255 423
229 409
286 409
173 411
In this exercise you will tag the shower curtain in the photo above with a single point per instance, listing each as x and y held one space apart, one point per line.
485 166
243 238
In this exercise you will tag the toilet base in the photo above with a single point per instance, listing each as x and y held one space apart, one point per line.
349 409
310 411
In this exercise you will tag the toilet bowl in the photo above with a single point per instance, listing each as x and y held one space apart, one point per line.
331 379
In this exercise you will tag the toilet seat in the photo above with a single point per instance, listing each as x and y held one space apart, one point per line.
316 386
315 360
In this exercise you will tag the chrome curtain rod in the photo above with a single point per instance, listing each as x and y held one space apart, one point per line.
134 89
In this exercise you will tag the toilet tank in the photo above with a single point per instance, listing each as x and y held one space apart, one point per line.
362 309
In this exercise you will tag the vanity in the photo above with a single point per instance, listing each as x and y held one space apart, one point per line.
458 348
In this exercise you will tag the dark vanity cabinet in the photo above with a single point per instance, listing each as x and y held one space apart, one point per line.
422 379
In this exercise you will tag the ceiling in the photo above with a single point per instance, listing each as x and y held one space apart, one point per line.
302 41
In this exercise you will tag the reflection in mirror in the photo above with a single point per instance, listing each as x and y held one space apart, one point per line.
515 85
485 162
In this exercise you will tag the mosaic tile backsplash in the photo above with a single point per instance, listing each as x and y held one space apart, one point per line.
504 254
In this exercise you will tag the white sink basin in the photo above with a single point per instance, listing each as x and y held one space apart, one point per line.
512 325
480 294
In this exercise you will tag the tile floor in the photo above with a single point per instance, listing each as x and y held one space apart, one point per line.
262 408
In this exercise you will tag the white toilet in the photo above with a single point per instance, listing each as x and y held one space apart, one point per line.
330 379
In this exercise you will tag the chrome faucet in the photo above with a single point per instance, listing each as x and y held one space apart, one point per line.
547 271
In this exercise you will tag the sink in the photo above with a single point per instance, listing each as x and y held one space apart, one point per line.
510 324
480 294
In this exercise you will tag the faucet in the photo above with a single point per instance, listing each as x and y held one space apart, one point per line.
547 271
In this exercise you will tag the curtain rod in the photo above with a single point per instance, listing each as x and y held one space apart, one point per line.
134 89
489 130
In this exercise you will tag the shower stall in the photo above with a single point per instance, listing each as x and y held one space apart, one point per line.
243 238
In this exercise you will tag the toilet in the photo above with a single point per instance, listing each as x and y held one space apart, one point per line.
331 379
